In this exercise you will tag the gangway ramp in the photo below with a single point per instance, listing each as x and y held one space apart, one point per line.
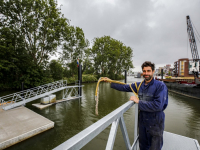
21 98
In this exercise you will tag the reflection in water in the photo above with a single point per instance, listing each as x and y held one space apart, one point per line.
182 117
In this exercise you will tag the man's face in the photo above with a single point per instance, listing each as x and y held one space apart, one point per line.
147 73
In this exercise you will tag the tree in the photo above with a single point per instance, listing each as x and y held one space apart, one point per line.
30 32
111 56
7 57
87 63
37 23
56 70
74 46
125 59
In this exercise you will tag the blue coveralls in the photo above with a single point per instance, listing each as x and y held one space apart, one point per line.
153 99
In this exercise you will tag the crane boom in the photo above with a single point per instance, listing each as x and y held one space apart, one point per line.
195 55
193 46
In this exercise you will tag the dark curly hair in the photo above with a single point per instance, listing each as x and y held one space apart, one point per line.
148 64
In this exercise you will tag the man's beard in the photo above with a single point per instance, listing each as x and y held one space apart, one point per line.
147 78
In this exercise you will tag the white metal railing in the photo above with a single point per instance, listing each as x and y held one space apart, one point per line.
115 118
21 98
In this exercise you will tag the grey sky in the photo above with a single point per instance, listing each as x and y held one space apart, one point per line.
154 29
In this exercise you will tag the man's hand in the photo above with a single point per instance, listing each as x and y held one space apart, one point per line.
106 79
135 99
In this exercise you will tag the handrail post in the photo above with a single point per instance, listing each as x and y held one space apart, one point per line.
80 79
136 126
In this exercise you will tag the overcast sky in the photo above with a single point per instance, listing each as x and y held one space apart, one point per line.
154 29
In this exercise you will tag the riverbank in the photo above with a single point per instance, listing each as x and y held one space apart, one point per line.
88 78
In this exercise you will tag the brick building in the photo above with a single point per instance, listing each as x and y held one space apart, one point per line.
181 68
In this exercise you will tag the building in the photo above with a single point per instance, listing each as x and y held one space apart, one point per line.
183 67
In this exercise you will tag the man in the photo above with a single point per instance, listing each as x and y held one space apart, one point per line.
153 99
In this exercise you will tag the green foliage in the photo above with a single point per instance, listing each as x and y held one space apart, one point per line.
89 78
74 46
70 80
30 32
38 26
111 57
88 67
66 72
56 70
85 79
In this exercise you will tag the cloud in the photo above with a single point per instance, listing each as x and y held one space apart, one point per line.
154 29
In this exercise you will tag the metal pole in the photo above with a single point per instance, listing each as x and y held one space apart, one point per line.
22 88
125 76
136 125
161 73
80 79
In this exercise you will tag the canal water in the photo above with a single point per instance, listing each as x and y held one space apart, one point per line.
182 117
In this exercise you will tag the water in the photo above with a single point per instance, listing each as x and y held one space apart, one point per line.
182 117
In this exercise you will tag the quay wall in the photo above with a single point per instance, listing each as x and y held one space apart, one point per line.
186 90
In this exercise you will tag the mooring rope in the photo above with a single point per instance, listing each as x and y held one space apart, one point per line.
113 81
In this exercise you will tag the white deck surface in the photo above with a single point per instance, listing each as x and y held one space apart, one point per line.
177 142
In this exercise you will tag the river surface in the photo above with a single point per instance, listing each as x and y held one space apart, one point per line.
182 117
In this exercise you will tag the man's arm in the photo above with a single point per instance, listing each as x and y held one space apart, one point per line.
159 103
125 87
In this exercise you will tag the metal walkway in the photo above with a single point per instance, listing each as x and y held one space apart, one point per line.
177 142
21 98
171 141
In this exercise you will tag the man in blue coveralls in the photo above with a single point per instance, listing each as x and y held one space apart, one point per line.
153 99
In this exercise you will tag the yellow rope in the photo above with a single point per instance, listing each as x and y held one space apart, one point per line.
113 81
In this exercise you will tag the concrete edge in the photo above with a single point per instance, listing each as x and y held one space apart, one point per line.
25 136
38 105
183 94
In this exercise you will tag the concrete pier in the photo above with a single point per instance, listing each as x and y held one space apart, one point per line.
19 124
42 106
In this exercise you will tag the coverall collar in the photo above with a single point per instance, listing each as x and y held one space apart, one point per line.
150 83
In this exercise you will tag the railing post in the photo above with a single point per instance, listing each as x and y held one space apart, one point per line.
125 76
22 88
161 73
80 79
136 126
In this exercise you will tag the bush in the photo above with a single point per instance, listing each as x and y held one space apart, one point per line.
88 78
168 77
85 78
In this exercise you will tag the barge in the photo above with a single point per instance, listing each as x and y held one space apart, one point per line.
183 86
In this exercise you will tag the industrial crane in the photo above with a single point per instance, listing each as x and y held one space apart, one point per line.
195 56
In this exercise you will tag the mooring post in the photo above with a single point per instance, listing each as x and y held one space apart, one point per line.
161 73
125 76
80 79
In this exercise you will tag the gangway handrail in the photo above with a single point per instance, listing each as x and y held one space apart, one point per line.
41 86
116 118
21 98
